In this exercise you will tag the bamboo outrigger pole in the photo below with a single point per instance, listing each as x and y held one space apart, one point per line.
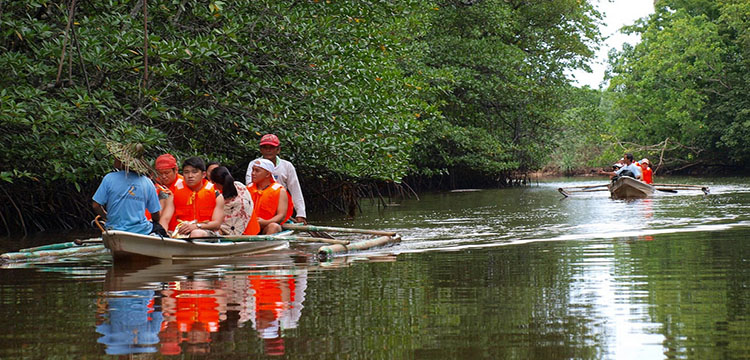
337 229
681 185
327 251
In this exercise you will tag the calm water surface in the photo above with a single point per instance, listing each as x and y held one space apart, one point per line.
507 273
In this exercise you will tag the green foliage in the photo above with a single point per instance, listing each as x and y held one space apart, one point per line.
496 69
580 138
357 91
683 89
324 76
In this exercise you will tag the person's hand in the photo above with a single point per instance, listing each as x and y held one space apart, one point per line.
186 228
300 219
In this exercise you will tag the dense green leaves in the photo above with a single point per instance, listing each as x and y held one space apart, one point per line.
324 76
498 72
364 91
684 88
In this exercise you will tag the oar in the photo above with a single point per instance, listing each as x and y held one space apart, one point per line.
585 186
567 192
674 189
336 229
666 190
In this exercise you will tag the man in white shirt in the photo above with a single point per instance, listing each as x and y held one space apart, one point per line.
284 174
630 165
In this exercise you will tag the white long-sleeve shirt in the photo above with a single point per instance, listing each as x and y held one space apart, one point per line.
284 174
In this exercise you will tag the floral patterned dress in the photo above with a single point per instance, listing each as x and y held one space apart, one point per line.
237 211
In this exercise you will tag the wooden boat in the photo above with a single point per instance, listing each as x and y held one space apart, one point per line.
627 187
125 244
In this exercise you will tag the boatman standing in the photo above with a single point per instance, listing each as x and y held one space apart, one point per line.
283 173
124 195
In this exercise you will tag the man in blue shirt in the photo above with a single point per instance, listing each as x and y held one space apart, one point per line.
124 195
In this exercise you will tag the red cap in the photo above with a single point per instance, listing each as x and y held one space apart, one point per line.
270 139
166 161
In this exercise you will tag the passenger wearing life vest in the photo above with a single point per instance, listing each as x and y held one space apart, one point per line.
648 174
167 179
273 204
197 205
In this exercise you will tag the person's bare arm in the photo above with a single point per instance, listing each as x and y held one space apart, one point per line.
281 208
167 211
99 210
218 216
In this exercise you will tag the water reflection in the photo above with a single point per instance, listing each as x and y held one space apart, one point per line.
128 322
532 277
197 303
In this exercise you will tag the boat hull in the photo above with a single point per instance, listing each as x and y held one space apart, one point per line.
125 244
629 188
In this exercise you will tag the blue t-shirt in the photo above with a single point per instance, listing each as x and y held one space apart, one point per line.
126 196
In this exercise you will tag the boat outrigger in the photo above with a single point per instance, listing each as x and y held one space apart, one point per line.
123 245
629 188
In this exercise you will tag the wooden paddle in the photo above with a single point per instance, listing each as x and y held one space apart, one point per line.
567 192
674 189
585 186
666 190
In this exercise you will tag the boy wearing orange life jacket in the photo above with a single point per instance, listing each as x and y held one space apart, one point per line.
273 205
197 205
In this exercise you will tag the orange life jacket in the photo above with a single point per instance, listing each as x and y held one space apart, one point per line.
193 205
253 227
267 201
648 175
191 306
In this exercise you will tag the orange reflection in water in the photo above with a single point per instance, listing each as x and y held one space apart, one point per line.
188 315
192 311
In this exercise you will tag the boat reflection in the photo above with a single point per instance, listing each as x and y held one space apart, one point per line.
182 308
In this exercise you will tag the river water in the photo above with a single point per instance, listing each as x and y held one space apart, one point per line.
503 273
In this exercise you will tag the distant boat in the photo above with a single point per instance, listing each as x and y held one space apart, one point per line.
626 187
125 244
